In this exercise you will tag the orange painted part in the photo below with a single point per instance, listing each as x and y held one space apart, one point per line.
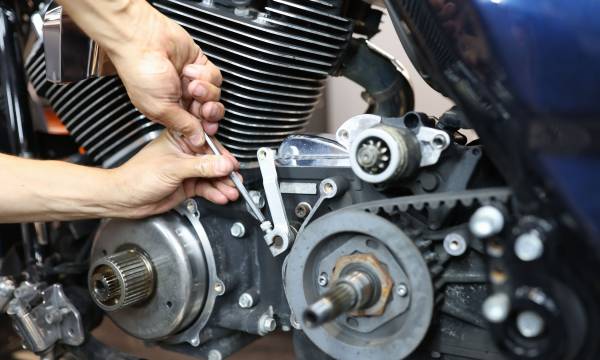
53 123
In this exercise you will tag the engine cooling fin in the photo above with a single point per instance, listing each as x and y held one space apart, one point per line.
274 64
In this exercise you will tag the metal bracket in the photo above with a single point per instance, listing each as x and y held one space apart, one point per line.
280 237
54 320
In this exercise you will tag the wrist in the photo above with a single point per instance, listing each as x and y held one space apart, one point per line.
133 22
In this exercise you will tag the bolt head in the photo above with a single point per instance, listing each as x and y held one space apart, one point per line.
401 290
323 279
530 324
529 246
496 307
486 221
246 301
219 288
238 230
215 355
191 206
257 198
302 210
269 324
455 244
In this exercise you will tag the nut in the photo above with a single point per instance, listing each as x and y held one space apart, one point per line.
378 270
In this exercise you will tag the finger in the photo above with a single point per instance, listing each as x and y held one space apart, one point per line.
230 192
186 97
169 202
212 111
227 154
208 73
175 117
205 166
201 58
204 91
210 193
210 128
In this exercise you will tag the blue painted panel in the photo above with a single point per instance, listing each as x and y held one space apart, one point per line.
549 51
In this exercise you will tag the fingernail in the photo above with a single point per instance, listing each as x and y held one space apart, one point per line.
214 112
199 91
197 139
192 71
223 166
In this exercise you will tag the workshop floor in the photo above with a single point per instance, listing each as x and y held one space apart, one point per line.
277 346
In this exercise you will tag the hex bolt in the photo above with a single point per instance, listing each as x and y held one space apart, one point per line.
401 290
455 244
323 279
238 230
215 355
496 307
530 324
266 324
529 246
219 287
246 301
486 221
258 198
302 209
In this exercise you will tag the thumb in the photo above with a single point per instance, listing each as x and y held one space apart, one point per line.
204 166
186 124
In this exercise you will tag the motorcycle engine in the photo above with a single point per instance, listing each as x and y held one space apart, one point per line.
381 227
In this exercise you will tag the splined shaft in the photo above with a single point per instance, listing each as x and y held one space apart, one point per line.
121 279
351 292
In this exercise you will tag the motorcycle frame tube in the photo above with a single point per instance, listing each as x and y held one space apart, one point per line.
16 127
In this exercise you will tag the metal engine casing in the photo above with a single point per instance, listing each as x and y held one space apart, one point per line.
181 262
274 64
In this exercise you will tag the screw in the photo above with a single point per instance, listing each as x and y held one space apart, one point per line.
238 230
219 287
246 301
302 209
486 221
455 244
530 324
215 355
401 290
323 280
496 307
529 246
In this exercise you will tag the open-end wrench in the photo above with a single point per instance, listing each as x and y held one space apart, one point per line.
265 225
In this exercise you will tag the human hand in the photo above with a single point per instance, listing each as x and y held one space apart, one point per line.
168 77
163 174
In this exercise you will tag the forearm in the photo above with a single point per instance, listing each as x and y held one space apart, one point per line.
117 25
35 190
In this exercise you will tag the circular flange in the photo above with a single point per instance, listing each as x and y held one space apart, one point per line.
180 272
400 335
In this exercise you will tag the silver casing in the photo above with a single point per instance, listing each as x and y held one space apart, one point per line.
70 54
180 270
